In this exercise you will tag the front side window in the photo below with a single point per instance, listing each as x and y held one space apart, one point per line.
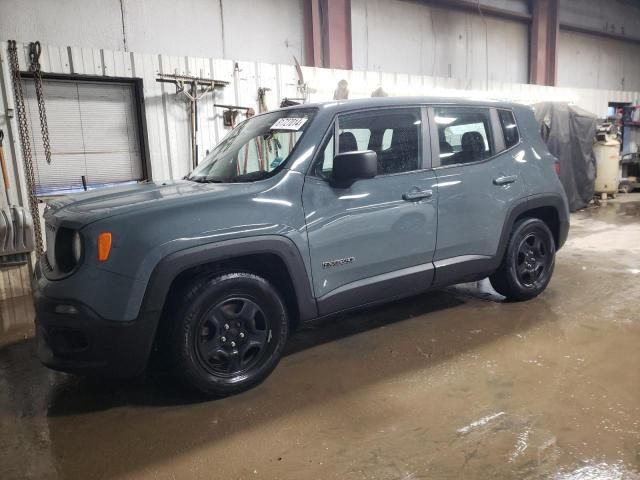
255 148
394 134
509 128
464 135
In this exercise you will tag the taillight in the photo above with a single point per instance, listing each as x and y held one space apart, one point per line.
557 167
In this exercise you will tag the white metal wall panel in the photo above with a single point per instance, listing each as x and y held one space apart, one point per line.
167 115
410 37
93 131
585 61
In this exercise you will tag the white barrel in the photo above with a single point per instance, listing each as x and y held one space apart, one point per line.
607 153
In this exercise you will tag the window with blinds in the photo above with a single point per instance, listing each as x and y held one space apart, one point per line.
93 131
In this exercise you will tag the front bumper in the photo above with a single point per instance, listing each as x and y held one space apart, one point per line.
85 343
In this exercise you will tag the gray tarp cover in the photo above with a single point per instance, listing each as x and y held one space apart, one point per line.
568 131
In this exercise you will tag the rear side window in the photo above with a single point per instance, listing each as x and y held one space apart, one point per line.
509 128
464 135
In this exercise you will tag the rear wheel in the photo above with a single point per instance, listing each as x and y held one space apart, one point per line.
229 333
528 263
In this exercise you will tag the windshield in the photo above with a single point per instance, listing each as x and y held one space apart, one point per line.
255 148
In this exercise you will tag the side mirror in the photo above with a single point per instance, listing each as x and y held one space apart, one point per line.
351 166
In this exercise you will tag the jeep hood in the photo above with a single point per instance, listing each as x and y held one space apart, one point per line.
99 204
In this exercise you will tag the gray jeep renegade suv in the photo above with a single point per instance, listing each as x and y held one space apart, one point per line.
297 214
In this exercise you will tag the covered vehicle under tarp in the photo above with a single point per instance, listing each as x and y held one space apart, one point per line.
568 132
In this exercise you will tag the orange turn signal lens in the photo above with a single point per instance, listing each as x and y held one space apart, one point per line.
104 246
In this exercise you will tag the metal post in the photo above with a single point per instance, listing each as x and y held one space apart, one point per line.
194 123
544 42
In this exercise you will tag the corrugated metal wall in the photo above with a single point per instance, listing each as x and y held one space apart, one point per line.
265 30
412 37
586 60
167 118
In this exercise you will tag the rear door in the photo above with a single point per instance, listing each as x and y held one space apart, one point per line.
478 180
374 240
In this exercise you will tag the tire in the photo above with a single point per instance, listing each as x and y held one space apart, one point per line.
528 263
228 333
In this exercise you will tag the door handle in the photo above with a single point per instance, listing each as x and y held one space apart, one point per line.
414 195
505 180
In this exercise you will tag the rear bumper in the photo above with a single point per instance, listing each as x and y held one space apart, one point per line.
563 232
82 342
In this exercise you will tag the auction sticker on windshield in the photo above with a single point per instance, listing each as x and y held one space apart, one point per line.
288 123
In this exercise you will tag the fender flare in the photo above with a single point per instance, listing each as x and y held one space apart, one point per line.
553 200
178 262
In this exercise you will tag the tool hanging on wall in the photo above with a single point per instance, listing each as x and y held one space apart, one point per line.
342 90
231 113
379 92
197 88
302 89
5 171
25 143
16 225
262 99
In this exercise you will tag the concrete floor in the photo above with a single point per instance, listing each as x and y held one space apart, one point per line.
452 384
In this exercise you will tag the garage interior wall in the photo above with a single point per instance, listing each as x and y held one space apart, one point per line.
591 61
439 42
267 31
585 61
166 115
427 40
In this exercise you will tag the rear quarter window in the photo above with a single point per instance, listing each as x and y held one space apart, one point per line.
464 134
509 128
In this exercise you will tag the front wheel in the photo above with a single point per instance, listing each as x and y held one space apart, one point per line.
528 261
228 333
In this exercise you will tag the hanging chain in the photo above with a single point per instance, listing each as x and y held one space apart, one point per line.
34 56
25 142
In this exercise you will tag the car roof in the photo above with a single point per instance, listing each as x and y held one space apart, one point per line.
375 102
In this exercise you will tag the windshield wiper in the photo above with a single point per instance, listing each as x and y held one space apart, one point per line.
252 176
204 180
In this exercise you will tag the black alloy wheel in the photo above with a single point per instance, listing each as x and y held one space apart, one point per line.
233 337
528 261
227 333
532 260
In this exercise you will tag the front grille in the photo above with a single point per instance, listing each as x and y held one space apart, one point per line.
46 264
58 260
50 236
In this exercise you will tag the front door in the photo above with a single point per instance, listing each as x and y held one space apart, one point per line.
374 240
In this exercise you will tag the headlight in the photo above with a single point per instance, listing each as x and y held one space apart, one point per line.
76 247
